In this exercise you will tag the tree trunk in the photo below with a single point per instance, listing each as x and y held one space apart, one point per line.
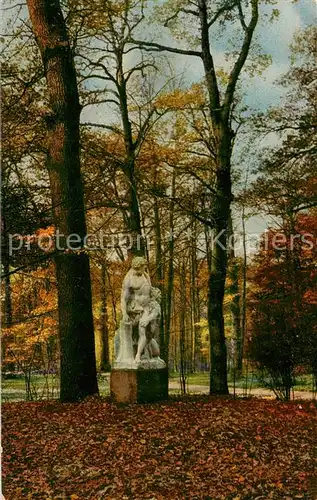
220 215
170 273
105 361
182 327
244 291
217 278
195 297
159 265
78 376
235 302
7 291
133 216
220 114
6 270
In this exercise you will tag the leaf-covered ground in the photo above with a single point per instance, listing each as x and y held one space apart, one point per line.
198 449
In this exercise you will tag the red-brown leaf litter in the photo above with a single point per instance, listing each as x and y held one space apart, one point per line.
205 448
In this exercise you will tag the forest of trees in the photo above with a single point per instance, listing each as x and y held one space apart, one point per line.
102 137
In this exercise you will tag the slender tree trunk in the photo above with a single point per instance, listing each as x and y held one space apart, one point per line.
174 329
208 247
159 265
182 327
113 300
133 216
78 376
244 291
194 295
7 295
235 302
170 273
7 314
5 258
105 360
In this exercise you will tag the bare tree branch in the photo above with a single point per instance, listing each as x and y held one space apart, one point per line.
223 9
236 70
162 48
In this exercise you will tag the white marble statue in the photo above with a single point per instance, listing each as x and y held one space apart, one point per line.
136 342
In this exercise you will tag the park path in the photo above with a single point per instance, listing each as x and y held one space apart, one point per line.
256 392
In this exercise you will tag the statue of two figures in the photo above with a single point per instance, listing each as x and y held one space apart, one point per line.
136 341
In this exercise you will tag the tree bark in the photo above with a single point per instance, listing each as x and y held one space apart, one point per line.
195 297
182 327
244 291
235 302
5 257
78 376
159 265
105 360
133 216
217 277
170 274
220 114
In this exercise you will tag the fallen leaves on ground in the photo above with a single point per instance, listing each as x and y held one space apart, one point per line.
199 449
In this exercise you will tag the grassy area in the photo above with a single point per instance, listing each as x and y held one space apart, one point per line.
203 379
42 388
302 383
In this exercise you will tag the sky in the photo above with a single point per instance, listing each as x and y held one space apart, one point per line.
274 39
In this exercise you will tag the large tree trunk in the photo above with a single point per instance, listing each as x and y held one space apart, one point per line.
78 364
217 277
220 114
220 216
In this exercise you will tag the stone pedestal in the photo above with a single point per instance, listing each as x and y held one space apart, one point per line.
138 386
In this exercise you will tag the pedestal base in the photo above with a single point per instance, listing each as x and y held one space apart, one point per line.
138 386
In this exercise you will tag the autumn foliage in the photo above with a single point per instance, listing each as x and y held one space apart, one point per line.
283 303
204 449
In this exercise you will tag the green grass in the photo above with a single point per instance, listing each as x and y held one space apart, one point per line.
193 378
303 382
40 387
203 379
14 389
